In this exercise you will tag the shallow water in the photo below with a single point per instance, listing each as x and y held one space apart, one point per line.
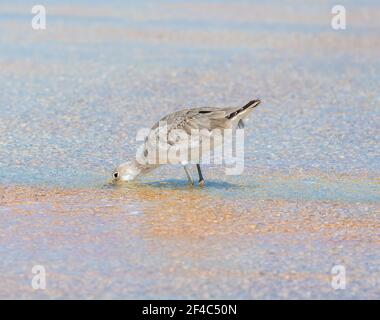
73 97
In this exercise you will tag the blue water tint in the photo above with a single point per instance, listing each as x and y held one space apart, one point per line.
306 189
188 24
47 176
289 188
316 189
73 104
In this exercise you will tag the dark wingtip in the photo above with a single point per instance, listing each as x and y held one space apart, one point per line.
250 104
255 103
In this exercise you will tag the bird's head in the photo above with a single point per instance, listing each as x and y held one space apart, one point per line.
127 171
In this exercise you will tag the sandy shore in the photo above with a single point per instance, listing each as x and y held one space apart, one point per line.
146 242
74 96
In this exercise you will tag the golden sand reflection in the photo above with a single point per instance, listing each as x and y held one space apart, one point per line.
194 214
188 233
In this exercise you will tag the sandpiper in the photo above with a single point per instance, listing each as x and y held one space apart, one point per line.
201 119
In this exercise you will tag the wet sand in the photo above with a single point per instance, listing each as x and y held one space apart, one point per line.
150 242
74 96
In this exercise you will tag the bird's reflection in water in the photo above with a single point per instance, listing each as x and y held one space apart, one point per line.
173 208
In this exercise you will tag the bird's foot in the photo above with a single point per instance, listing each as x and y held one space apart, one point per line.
201 183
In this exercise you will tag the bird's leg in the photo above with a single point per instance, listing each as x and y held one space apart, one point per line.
201 179
189 178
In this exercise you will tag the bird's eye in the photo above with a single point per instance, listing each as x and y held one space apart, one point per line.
115 175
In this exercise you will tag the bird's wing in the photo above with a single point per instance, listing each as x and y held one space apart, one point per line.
210 118
176 128
199 119
206 120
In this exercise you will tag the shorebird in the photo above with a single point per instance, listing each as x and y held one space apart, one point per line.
205 120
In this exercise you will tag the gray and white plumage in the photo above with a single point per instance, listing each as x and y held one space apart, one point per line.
205 120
